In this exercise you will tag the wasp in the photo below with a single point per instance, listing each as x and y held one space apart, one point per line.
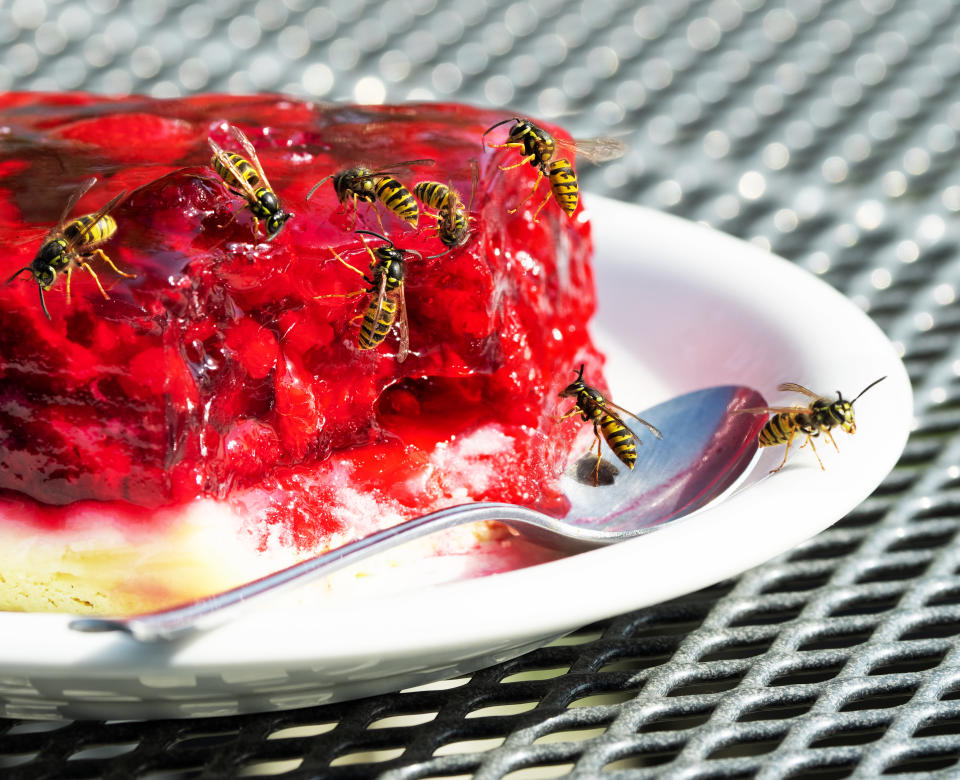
452 219
73 244
387 306
246 179
821 415
540 149
593 407
369 186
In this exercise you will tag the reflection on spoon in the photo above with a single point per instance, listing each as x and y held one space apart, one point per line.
705 448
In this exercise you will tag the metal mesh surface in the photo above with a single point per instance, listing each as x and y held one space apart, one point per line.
825 131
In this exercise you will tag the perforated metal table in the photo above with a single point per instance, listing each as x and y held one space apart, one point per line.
825 131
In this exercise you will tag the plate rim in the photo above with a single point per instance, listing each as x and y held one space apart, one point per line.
43 646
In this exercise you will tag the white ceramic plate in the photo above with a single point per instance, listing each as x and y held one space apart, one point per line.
681 307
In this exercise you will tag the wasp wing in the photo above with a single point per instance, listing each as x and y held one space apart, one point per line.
385 169
771 410
227 163
381 294
595 150
402 325
652 428
242 139
474 183
81 236
81 190
793 387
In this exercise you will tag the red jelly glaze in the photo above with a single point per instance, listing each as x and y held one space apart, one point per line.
217 371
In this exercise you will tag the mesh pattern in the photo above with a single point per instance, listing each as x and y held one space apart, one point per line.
824 131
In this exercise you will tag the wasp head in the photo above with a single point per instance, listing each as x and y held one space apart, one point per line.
276 221
576 387
844 411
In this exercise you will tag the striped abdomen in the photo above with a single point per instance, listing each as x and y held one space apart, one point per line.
778 430
93 232
563 183
373 329
247 171
398 199
619 438
616 434
432 194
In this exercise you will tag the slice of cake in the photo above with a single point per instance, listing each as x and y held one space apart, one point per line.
215 416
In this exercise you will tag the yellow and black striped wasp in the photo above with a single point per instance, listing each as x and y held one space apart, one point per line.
387 306
539 149
245 178
821 415
362 184
73 244
593 407
452 219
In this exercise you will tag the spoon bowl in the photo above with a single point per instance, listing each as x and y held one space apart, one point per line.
705 449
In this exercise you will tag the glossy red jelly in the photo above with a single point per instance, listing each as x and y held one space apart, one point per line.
218 370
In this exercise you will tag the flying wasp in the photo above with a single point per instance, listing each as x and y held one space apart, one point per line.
250 182
593 407
73 244
387 306
452 219
540 149
822 415
369 186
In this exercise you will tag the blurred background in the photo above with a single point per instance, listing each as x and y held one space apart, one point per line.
823 130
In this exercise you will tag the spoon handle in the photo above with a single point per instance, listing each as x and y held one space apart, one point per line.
209 611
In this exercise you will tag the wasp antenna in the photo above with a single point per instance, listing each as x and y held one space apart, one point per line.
580 372
497 124
43 303
376 235
25 268
317 186
875 382
413 252
434 257
501 122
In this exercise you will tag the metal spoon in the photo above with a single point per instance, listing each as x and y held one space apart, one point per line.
704 450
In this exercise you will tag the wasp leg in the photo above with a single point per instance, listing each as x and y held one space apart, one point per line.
572 413
786 451
86 266
596 470
814 448
832 440
373 257
376 211
523 161
103 256
433 229
69 277
344 262
508 145
536 186
356 210
536 214
353 294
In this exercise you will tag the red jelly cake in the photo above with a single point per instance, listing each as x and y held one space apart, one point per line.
236 382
